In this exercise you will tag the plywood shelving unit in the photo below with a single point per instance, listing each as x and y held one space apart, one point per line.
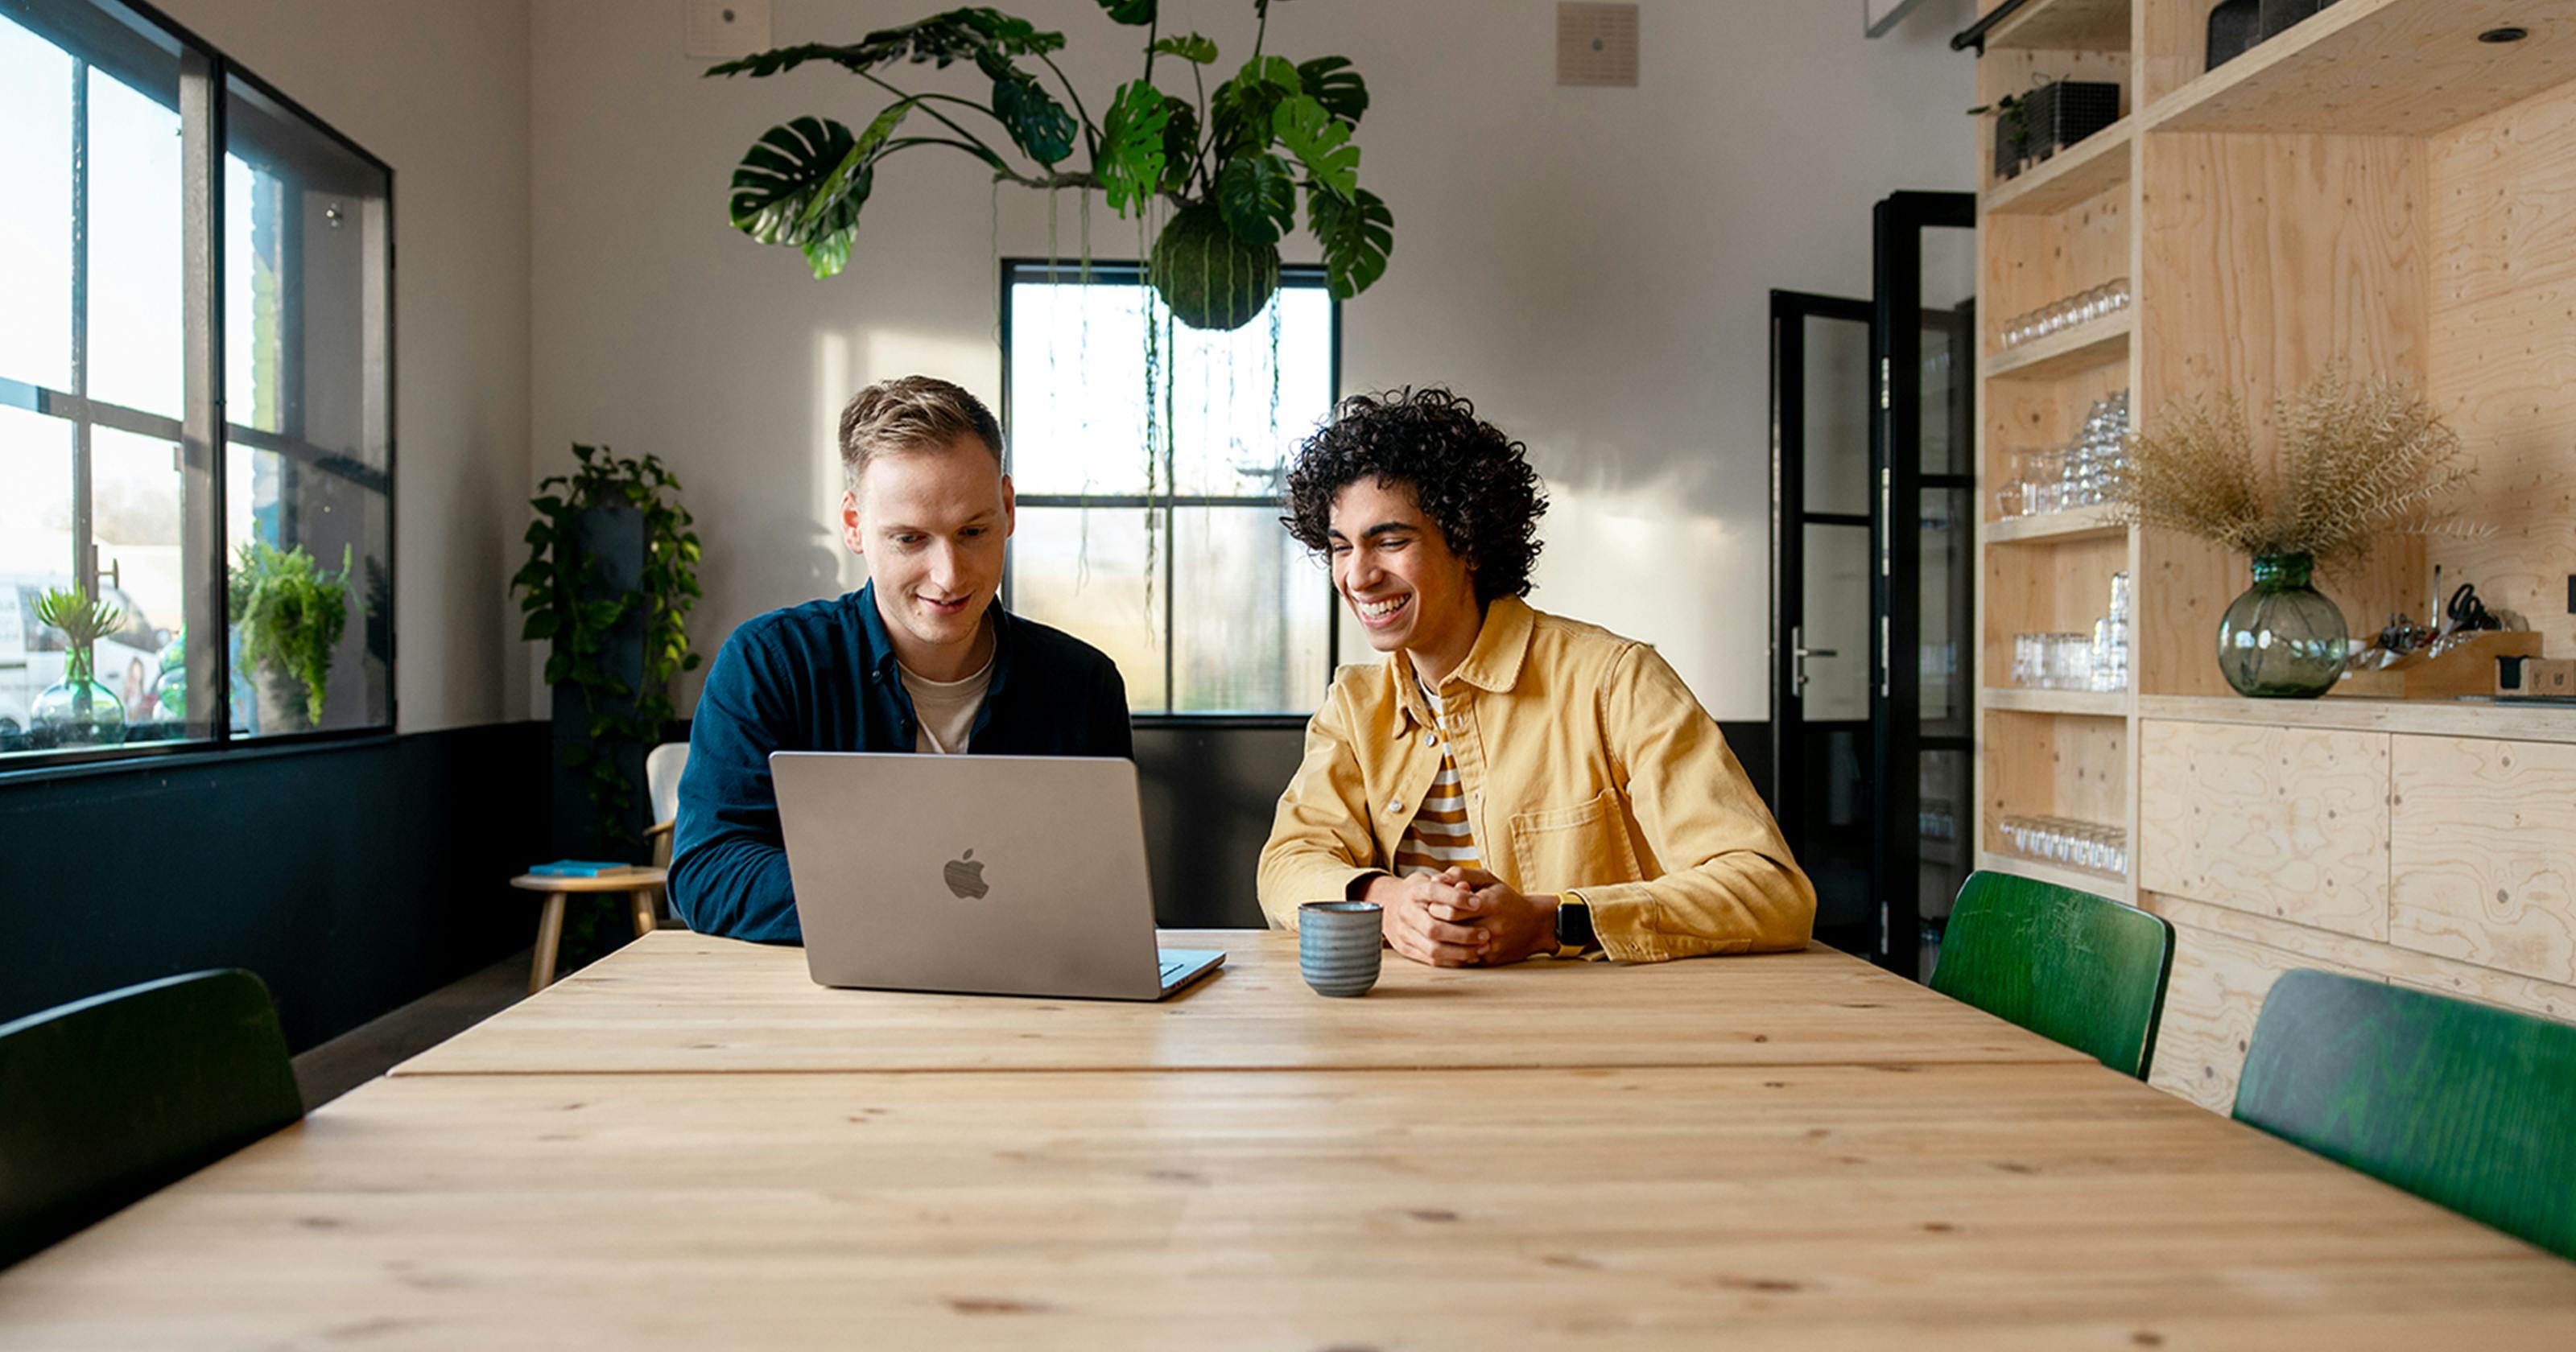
2376 188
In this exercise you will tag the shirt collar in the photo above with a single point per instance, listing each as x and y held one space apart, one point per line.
879 656
1493 664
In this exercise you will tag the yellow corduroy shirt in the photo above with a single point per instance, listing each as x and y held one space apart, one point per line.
1589 768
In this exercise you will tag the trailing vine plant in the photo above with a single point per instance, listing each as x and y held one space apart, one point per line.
568 601
291 612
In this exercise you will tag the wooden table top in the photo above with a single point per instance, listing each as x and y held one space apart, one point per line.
679 1001
606 882
2026 1206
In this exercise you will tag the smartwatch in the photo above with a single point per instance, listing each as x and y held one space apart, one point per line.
1573 925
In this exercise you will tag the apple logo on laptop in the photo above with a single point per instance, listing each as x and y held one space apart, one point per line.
966 878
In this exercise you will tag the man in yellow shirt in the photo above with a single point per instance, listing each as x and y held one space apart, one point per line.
1508 783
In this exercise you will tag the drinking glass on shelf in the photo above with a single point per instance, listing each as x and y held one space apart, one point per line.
2119 289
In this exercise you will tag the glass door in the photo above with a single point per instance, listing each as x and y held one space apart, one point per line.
1923 520
1820 605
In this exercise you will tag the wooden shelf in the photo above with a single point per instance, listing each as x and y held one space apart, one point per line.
2088 703
2085 169
2101 884
2081 348
2063 26
2097 522
2381 68
2439 718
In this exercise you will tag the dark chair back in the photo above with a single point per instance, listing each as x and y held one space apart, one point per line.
2072 967
105 1099
2458 1103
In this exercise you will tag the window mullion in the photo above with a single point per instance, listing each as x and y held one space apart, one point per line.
84 545
201 114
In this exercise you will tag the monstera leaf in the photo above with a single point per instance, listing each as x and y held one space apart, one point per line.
1130 163
1180 141
1240 109
1038 124
1133 13
1258 196
802 185
1319 142
1194 49
958 35
1330 81
1357 235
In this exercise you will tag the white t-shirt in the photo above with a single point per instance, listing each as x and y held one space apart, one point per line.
946 709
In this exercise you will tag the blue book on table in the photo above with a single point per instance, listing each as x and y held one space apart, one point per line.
581 868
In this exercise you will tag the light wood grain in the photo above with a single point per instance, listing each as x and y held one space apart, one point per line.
2088 703
2516 722
677 1001
2094 343
2212 999
2053 766
2324 948
2017 71
2483 853
2284 822
2503 338
2089 25
2095 881
2019 1207
2380 68
2098 522
2095 165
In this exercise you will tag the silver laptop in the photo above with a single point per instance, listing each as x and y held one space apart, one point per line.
1001 875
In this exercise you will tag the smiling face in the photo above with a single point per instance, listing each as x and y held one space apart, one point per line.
1409 591
931 524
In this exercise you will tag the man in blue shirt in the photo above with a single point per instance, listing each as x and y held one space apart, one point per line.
921 659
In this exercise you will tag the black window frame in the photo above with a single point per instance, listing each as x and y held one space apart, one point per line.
1128 272
88 30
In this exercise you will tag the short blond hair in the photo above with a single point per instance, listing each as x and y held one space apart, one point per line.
911 413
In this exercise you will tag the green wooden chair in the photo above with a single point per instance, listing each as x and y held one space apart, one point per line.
105 1099
2072 967
2461 1104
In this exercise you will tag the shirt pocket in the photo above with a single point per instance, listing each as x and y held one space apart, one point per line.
1578 846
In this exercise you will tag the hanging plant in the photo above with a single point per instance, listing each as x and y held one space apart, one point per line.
1231 163
568 602
291 612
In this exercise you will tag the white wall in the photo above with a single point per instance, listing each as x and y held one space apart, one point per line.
439 90
1591 266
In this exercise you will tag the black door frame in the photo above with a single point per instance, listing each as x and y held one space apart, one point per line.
1897 740
1789 310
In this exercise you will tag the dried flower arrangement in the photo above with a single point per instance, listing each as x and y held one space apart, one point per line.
2358 461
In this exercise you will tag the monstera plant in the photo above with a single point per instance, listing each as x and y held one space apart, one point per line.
1232 162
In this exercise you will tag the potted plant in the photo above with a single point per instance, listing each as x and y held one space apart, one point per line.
1231 162
77 710
290 613
612 573
2012 134
2356 463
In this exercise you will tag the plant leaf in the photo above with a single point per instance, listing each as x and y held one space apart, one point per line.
1038 124
1330 81
956 35
1133 13
1357 235
802 185
1320 143
1180 141
1241 107
1130 162
1194 48
1257 195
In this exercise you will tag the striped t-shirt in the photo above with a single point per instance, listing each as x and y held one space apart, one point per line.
1439 838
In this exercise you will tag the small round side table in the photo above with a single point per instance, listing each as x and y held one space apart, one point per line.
638 884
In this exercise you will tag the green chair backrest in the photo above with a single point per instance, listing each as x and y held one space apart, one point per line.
105 1099
2072 967
2462 1104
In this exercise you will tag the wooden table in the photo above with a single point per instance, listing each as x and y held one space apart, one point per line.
678 1001
639 884
1890 1201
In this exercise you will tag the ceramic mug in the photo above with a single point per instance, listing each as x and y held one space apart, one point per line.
1338 946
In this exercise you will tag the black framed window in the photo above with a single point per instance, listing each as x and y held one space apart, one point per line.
195 362
1149 507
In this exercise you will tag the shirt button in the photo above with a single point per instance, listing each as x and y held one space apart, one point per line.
1395 805
1431 739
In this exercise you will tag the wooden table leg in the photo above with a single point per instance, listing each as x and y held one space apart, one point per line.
644 919
549 935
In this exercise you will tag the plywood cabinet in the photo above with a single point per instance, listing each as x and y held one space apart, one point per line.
2279 821
2376 190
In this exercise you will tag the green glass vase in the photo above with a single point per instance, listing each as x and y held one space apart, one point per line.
2282 639
77 710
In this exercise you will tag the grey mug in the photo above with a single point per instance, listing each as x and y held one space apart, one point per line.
1338 946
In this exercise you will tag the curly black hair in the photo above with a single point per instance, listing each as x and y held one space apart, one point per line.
1473 482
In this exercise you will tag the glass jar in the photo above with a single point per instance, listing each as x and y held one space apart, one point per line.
77 711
